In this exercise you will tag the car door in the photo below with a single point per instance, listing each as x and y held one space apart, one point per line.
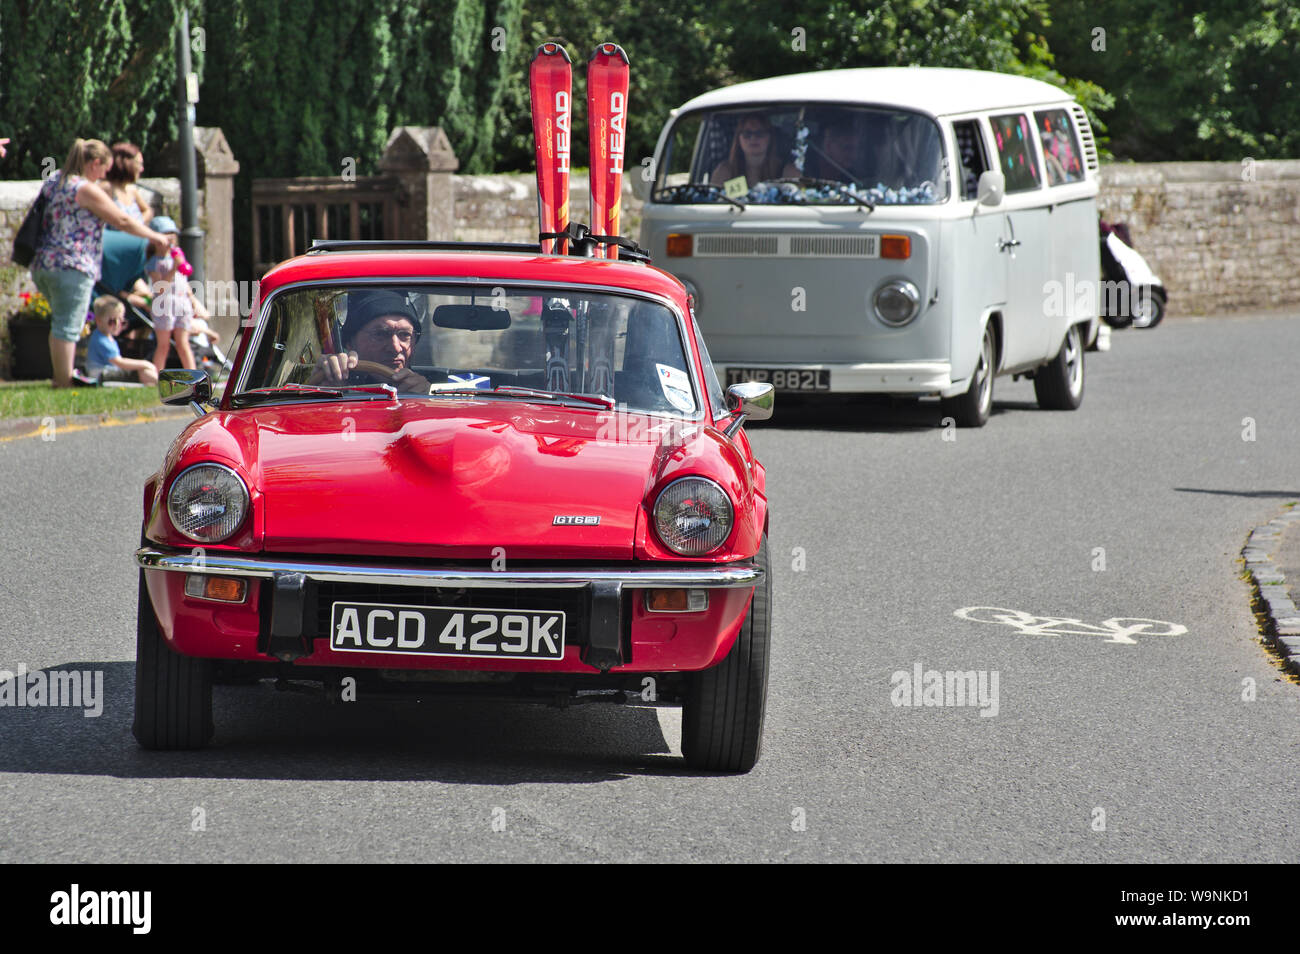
1025 238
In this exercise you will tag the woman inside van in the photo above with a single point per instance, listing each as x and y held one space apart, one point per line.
754 154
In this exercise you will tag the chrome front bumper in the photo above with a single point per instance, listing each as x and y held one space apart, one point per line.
710 576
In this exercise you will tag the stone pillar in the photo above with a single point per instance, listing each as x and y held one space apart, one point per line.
421 159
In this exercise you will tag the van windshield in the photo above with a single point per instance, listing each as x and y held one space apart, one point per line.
803 154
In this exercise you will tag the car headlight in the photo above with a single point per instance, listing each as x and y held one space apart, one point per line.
207 502
896 302
693 516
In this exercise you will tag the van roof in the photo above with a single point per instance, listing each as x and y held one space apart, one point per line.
932 90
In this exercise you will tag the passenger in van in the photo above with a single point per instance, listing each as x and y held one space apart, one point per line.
840 152
754 154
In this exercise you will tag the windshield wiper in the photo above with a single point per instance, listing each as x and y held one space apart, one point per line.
707 186
843 188
506 390
362 392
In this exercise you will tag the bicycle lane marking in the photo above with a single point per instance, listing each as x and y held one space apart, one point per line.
1118 629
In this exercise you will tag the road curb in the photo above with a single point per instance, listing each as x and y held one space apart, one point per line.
1281 617
31 426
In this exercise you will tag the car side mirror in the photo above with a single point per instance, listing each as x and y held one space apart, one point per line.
991 188
749 399
181 386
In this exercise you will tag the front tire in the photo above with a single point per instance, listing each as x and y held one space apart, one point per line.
1059 383
972 409
173 693
1150 308
722 718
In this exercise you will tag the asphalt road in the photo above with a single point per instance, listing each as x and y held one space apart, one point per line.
1179 745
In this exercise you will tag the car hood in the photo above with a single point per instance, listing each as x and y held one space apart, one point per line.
474 479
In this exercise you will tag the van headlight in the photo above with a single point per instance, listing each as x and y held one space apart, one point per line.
896 302
693 516
207 502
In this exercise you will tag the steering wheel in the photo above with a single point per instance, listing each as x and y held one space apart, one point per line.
375 368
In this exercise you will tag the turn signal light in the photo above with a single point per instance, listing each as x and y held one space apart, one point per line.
895 246
680 245
676 601
224 589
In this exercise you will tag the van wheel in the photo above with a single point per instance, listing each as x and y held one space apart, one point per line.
972 409
1059 383
173 693
722 718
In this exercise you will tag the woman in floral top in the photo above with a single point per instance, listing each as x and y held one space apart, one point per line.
68 255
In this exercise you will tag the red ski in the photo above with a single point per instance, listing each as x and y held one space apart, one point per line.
550 86
607 75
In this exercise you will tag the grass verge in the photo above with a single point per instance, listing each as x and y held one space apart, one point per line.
38 399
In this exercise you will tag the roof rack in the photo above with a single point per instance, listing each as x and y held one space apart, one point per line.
581 243
343 245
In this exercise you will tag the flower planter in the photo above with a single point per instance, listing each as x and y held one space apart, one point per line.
29 346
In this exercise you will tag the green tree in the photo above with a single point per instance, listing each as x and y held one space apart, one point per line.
1217 79
70 69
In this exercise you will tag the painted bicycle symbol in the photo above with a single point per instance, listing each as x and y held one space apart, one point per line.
1116 630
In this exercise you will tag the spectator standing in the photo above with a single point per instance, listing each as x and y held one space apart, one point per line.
67 261
172 308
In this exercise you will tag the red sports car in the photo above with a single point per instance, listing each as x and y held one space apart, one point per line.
457 469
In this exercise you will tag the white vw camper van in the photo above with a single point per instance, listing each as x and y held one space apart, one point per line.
907 231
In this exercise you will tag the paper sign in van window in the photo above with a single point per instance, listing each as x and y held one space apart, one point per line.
1060 147
1016 153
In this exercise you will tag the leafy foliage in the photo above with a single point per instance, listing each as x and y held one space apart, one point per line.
1215 80
70 69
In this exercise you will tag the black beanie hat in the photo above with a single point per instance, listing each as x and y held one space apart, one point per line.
365 306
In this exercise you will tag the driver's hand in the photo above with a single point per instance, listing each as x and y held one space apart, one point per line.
333 368
407 380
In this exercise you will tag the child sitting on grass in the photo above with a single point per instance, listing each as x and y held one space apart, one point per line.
104 361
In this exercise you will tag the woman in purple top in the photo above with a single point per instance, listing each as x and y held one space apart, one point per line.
68 255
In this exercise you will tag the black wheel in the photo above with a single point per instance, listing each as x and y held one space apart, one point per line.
1148 307
173 693
722 719
1059 383
972 409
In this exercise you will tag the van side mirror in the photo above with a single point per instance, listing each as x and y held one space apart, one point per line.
641 186
991 188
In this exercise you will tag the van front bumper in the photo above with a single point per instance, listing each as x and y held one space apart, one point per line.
889 377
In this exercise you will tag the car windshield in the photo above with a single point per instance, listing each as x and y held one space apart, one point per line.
803 154
593 350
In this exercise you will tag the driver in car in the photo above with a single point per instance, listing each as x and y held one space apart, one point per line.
381 328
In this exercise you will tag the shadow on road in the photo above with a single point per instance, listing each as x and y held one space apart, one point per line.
862 413
1291 494
265 734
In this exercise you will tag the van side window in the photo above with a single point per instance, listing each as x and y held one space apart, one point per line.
1060 147
970 155
1016 159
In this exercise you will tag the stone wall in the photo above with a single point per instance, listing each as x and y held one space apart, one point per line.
1224 236
503 208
